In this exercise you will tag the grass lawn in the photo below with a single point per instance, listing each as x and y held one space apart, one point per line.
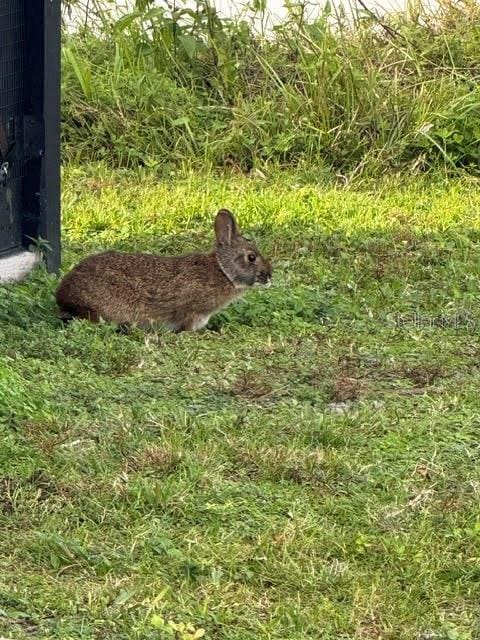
308 468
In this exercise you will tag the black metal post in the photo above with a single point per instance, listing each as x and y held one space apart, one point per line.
41 188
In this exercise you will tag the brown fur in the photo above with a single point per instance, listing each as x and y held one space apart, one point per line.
181 292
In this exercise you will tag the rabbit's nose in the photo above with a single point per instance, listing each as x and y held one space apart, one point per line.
265 277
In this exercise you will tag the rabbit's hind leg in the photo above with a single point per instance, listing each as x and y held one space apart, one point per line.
66 315
124 329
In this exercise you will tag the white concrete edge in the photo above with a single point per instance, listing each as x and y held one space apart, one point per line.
17 266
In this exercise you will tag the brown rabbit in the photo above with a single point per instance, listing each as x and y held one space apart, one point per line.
181 292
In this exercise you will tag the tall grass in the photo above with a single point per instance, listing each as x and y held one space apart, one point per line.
354 93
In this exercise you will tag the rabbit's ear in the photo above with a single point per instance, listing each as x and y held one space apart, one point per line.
225 227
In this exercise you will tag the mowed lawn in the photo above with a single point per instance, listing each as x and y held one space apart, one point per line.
309 467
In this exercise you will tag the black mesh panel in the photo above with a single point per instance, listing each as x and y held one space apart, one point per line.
12 36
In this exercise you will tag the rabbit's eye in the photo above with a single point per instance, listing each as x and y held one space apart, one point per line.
252 257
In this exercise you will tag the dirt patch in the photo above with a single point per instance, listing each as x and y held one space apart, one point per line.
39 483
46 436
155 459
345 389
370 629
423 375
280 464
248 385
46 486
25 623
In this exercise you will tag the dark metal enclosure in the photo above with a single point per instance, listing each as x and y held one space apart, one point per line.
30 126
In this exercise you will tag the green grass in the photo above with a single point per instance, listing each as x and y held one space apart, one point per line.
308 468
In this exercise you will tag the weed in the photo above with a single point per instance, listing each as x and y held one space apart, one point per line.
341 94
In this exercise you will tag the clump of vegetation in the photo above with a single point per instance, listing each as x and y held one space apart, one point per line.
158 86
